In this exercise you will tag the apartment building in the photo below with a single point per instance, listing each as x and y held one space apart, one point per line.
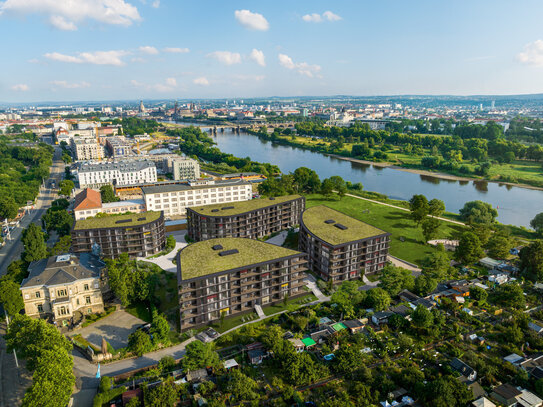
138 235
118 146
62 286
230 276
340 247
173 199
125 172
253 219
88 203
183 167
86 148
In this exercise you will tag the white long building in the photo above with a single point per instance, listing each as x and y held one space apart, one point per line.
173 199
94 175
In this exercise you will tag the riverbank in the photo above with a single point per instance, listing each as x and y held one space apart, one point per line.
440 175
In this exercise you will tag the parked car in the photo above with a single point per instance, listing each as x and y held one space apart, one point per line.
203 337
211 333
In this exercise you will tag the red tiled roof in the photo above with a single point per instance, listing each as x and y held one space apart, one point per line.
88 199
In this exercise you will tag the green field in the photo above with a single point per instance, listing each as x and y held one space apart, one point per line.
397 222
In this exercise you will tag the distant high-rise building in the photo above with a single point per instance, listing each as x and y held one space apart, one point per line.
493 105
142 108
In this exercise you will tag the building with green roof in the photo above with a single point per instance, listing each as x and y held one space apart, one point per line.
253 219
340 247
137 234
232 275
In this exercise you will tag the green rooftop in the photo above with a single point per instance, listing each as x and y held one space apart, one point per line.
236 208
322 220
308 342
339 326
199 259
115 221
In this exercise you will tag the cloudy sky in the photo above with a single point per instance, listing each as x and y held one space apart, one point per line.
130 49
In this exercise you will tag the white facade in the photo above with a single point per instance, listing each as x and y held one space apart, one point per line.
174 199
184 168
134 205
85 148
92 175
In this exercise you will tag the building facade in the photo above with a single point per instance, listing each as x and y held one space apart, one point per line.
88 203
61 286
85 148
138 235
340 247
173 199
183 168
253 219
125 172
231 276
118 146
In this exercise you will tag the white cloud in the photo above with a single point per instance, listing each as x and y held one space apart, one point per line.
312 18
202 81
64 14
171 82
67 85
176 50
169 85
95 58
302 68
62 24
148 50
21 87
226 57
252 21
258 56
319 18
532 54
155 4
331 16
255 78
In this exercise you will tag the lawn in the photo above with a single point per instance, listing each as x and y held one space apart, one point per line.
234 321
394 221
293 303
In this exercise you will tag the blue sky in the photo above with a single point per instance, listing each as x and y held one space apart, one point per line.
131 49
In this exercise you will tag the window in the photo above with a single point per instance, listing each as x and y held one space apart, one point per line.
89 310
87 299
86 287
38 294
62 293
40 308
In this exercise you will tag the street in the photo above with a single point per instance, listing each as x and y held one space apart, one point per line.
13 248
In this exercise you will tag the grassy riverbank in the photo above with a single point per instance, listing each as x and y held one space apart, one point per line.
518 172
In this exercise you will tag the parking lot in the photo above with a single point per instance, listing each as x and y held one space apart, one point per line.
115 328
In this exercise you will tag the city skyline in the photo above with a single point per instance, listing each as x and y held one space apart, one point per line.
164 50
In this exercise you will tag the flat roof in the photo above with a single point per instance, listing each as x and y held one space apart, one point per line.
113 221
158 189
200 259
235 208
308 342
335 227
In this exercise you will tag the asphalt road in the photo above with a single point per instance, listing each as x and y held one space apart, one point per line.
13 248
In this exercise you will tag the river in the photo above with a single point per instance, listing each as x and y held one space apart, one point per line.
516 206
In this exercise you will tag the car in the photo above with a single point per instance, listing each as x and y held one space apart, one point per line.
145 327
211 333
203 337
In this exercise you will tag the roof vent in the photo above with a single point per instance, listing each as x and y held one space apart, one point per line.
340 226
217 247
228 252
227 207
139 219
214 210
62 258
123 221
329 221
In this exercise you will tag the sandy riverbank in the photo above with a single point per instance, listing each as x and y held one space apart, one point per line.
440 175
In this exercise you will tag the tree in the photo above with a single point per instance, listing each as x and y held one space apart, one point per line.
139 343
539 387
447 392
510 295
107 194
478 294
437 265
300 369
34 244
536 223
62 246
58 219
348 360
166 363
436 207
8 207
242 386
327 188
163 395
425 284
469 249
395 279
478 212
499 245
339 185
347 297
200 355
306 180
160 329
66 187
10 296
378 299
419 207
421 317
430 227
531 260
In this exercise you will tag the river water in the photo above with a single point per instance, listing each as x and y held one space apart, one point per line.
516 206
